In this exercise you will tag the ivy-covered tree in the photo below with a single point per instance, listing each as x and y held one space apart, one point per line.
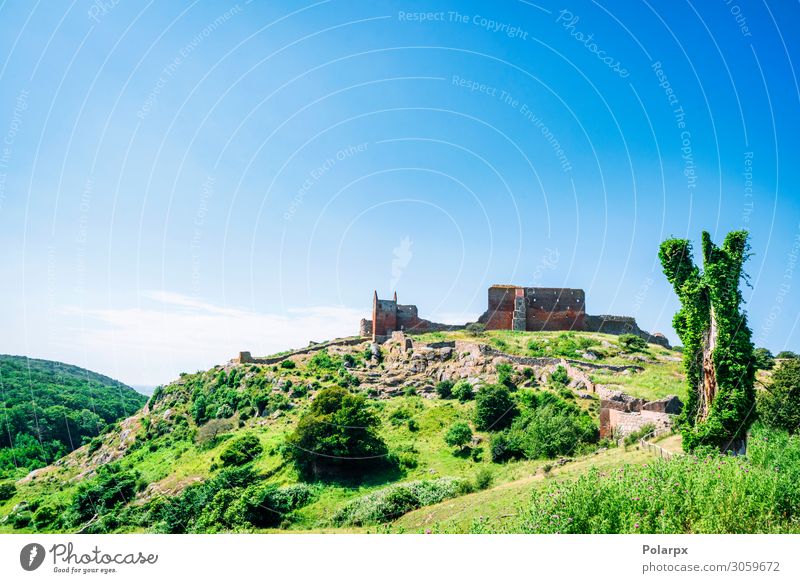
718 351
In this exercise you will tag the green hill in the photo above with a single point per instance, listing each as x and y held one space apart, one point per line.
50 408
264 446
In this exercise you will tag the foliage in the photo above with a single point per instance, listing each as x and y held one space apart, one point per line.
687 494
718 351
635 436
784 354
458 435
392 502
505 373
494 408
7 491
779 405
463 391
483 478
444 389
763 359
548 426
323 361
475 329
49 408
288 364
337 433
100 496
632 343
241 450
565 345
560 376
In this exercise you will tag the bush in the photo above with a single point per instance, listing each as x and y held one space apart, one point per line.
267 506
463 391
550 431
288 364
634 436
779 406
505 373
458 435
7 491
338 432
46 515
494 408
241 450
444 389
632 343
475 329
787 354
687 494
111 488
484 478
390 503
560 376
763 359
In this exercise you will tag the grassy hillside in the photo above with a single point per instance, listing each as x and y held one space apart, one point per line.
49 408
209 452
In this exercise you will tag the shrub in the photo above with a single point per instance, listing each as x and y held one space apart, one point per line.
550 431
484 478
390 503
635 436
763 359
560 376
463 391
458 435
500 449
787 354
46 515
288 364
323 361
413 425
475 329
241 450
505 373
779 405
267 506
632 343
7 491
112 487
444 389
687 494
494 408
338 432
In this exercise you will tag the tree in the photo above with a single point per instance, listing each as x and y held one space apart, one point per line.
337 433
632 343
763 359
779 405
241 450
784 354
494 408
458 435
444 389
463 391
718 351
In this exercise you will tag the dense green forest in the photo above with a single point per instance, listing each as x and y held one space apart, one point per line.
49 408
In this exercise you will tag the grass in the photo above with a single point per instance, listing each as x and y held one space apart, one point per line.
167 463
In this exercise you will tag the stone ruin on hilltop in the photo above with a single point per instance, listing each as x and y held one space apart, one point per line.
510 307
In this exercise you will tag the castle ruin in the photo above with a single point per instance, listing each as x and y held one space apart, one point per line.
510 307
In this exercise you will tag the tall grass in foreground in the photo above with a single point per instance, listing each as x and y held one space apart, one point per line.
759 493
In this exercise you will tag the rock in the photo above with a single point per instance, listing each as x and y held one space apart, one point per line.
669 404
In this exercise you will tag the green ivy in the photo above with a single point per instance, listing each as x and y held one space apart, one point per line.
714 291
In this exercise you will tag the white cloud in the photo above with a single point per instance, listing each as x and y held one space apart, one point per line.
152 345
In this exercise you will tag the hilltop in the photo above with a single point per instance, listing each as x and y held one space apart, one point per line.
50 408
167 459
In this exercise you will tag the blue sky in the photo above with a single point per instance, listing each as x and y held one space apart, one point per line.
180 181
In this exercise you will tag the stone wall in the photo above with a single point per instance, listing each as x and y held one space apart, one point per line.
534 308
622 414
622 325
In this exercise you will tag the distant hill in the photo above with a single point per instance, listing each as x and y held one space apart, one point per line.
50 408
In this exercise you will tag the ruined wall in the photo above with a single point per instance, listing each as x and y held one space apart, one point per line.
555 309
384 317
534 308
622 325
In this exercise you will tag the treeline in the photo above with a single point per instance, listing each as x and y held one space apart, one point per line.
49 408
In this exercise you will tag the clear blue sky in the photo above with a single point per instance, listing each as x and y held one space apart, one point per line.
180 181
